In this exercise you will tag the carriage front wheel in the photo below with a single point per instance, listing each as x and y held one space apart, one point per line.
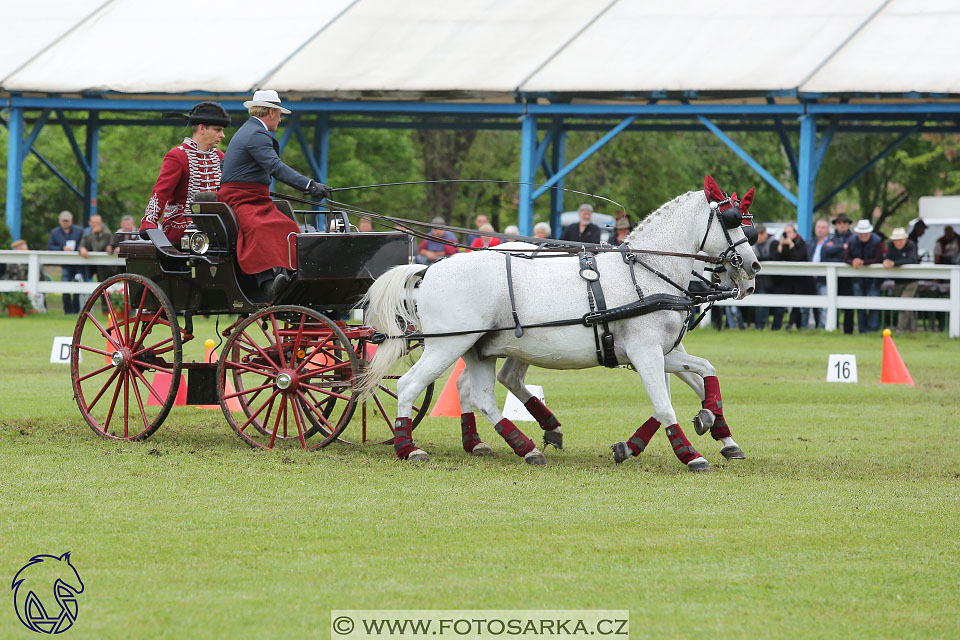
126 357
289 368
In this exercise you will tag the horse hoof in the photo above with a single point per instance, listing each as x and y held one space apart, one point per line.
703 421
481 450
418 456
620 452
535 458
553 437
700 465
732 452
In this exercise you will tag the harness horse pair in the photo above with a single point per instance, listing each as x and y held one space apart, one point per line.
462 307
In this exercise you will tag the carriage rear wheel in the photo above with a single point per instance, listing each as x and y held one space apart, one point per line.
125 360
291 368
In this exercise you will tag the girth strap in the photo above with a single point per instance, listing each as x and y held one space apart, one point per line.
517 327
606 355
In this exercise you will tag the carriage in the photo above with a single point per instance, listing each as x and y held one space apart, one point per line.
288 368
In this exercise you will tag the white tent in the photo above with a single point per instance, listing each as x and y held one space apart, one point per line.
481 48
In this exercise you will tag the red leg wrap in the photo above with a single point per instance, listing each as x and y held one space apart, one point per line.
712 401
681 446
468 431
543 416
641 437
402 438
720 428
520 443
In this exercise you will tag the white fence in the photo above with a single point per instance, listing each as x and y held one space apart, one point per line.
832 271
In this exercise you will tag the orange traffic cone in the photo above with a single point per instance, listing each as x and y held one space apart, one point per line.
211 356
893 371
161 384
448 404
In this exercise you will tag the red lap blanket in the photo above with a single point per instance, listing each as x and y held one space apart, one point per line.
262 243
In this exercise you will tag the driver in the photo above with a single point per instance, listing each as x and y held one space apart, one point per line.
252 159
190 167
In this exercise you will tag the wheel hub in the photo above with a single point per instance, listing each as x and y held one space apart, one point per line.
121 358
286 380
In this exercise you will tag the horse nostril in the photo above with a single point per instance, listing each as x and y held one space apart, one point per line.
756 267
749 291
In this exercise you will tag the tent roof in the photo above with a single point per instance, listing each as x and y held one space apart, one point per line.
483 48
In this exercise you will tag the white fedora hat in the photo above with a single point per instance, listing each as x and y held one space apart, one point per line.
863 226
265 98
899 234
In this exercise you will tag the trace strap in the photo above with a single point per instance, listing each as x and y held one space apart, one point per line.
606 355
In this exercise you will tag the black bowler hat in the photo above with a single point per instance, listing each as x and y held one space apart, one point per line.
209 113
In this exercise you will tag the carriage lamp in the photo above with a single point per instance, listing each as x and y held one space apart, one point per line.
195 241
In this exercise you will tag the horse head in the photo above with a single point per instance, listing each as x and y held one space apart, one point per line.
729 231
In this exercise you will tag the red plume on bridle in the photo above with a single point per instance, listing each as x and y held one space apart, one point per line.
746 201
712 190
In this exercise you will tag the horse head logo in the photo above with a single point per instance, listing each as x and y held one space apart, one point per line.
45 593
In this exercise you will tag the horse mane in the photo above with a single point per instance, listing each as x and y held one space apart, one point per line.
652 217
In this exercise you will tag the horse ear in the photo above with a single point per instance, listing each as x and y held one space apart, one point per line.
712 190
66 556
746 201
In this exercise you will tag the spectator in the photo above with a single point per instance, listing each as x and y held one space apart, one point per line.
821 231
542 230
67 237
17 271
512 230
864 250
621 229
947 248
478 222
620 214
792 248
900 251
734 317
484 241
126 232
365 225
834 250
918 230
433 249
584 230
766 251
100 238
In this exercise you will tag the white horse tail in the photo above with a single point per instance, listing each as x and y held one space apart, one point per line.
390 309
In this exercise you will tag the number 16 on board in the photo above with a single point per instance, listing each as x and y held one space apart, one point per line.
842 368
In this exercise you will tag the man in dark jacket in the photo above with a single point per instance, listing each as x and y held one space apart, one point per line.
584 230
792 248
900 251
833 250
252 159
766 250
67 237
864 250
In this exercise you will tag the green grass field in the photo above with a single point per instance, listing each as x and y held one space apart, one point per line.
843 521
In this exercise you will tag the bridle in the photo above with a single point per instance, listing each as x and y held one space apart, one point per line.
729 215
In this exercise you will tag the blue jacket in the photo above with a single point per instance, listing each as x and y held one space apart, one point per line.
833 250
254 156
58 239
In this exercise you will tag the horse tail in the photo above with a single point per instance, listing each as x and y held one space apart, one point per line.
390 309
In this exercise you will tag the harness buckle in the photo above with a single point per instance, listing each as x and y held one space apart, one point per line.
592 318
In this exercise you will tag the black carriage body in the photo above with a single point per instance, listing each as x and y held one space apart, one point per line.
334 270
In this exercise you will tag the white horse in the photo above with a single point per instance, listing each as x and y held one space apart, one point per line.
513 372
463 301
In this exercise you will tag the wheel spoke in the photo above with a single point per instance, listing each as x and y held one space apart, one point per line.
383 411
268 402
86 348
321 390
316 349
266 373
116 345
126 404
299 420
282 411
150 388
126 311
113 404
317 415
136 322
297 339
104 388
146 330
249 340
279 343
136 394
153 347
250 390
153 366
113 316
98 371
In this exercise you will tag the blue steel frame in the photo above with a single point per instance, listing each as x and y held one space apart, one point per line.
525 114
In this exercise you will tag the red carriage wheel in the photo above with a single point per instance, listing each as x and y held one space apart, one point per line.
125 359
381 407
291 368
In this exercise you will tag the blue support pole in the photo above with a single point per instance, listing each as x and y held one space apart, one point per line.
576 162
806 181
746 157
825 141
558 157
321 152
528 172
15 146
91 183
